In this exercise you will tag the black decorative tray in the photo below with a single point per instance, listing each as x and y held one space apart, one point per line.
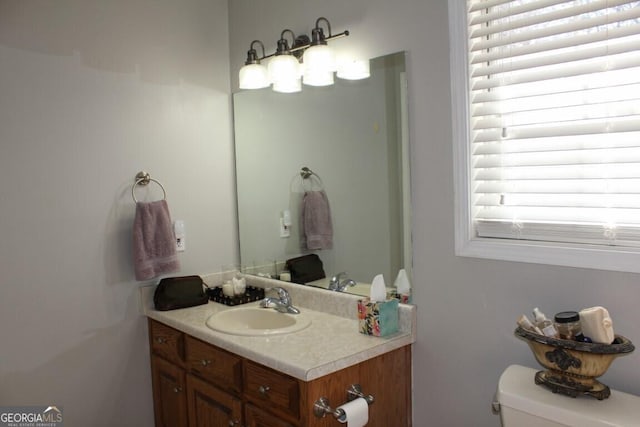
251 294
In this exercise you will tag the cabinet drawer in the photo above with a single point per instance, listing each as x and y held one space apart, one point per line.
166 342
272 390
213 364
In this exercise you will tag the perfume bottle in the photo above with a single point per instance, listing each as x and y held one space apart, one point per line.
545 325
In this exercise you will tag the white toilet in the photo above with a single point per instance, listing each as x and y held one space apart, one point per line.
522 403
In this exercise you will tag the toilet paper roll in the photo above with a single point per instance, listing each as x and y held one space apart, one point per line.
356 413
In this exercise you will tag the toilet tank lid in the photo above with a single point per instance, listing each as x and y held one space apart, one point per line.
517 390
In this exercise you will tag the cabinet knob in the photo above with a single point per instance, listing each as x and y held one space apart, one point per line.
205 362
177 389
263 389
160 340
233 423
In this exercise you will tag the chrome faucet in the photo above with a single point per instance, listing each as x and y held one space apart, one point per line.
339 286
281 304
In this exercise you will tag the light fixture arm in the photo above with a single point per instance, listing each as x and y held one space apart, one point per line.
283 45
317 35
252 55
337 36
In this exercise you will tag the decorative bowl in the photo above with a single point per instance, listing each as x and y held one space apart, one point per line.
571 366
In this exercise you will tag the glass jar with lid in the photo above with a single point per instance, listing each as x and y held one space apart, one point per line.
568 325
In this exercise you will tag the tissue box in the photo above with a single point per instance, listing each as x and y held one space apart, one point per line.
403 298
378 318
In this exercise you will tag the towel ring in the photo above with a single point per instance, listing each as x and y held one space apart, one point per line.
307 173
143 178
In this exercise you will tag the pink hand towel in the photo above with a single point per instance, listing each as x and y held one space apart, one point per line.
316 220
154 243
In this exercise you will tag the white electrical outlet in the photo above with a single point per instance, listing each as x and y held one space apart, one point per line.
179 231
284 229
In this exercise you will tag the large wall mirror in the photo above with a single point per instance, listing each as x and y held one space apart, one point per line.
353 136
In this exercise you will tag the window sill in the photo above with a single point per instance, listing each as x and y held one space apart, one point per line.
582 256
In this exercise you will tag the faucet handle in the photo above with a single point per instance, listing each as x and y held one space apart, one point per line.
282 294
337 277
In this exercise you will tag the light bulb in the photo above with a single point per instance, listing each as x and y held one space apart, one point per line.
253 76
354 69
284 72
318 64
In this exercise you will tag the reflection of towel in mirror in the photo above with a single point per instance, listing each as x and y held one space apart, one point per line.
154 243
316 220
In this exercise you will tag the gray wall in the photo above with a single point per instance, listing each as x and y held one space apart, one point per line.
91 92
466 307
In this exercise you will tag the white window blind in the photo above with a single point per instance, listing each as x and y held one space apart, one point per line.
555 120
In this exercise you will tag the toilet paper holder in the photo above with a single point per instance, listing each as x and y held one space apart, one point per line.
322 407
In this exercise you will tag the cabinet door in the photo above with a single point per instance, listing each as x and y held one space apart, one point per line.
258 418
169 393
210 406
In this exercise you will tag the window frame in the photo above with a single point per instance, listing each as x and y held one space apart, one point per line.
626 259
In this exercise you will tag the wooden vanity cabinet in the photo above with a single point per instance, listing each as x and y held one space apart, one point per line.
196 384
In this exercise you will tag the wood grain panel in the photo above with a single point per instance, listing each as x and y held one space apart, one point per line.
255 417
386 377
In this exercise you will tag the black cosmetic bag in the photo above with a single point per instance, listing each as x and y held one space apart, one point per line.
305 269
179 292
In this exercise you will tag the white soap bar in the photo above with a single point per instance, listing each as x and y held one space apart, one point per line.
597 325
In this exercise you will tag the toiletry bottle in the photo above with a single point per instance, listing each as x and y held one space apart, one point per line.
545 325
568 325
525 323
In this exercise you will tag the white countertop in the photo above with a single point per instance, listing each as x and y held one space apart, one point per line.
332 341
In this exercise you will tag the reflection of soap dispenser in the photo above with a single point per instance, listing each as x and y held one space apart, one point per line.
403 286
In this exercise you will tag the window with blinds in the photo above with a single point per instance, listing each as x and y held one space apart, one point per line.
554 110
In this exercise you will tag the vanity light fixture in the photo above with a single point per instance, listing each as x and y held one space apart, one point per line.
253 75
286 73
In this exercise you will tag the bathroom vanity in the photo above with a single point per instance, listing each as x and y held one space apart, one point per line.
203 377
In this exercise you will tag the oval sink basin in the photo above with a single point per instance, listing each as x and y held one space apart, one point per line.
256 321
